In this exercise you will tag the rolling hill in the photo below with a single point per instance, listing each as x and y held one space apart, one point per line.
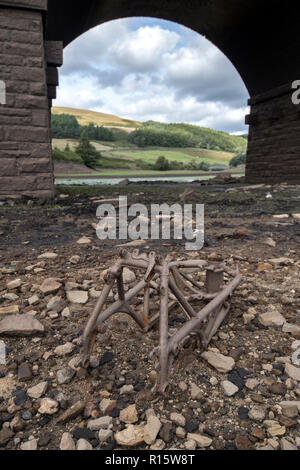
85 117
137 146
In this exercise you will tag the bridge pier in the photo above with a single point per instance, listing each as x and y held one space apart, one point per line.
26 166
274 138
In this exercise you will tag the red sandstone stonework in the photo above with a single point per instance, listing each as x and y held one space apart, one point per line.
26 166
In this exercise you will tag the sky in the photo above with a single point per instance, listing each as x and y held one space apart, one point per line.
148 69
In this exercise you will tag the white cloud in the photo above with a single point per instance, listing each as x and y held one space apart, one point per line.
144 72
142 50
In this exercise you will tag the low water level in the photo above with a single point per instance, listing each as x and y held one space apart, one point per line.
112 180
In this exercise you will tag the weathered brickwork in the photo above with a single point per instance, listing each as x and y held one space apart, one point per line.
26 166
274 138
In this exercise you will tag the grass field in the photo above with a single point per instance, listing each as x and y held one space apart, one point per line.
150 156
61 144
211 157
84 117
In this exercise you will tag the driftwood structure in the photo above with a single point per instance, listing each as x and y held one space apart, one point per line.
176 288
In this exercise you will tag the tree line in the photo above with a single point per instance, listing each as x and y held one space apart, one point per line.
65 126
186 135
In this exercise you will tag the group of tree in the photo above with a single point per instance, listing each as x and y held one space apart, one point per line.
84 153
89 154
163 164
66 126
157 137
239 159
156 134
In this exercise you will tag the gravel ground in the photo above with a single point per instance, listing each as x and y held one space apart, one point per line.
254 404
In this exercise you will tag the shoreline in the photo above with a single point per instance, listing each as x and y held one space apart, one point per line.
143 175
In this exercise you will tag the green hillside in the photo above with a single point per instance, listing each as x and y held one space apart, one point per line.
186 135
184 146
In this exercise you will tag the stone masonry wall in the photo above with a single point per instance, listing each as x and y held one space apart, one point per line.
274 138
26 166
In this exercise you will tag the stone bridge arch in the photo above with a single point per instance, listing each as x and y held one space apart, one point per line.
261 39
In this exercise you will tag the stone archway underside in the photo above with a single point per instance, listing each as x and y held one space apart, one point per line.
261 39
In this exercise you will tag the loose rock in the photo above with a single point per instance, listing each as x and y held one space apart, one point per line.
129 415
21 325
67 442
151 429
48 407
257 413
38 390
77 296
218 361
83 444
273 318
229 388
201 441
29 445
131 436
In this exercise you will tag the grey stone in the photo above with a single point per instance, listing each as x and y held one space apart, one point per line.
21 325
10 310
129 415
292 371
50 286
218 361
83 444
201 441
104 434
77 297
48 406
126 389
178 419
195 392
257 413
130 436
272 318
55 304
289 328
151 429
38 390
14 284
64 349
100 423
29 445
47 255
229 388
64 376
67 442
286 445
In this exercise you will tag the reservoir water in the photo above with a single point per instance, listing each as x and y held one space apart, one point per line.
115 180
